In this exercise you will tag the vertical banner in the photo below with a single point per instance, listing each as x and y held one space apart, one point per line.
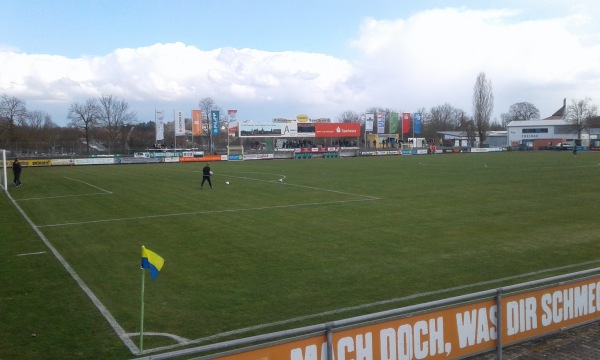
405 123
214 122
369 121
179 123
380 123
394 117
231 118
159 122
196 122
417 123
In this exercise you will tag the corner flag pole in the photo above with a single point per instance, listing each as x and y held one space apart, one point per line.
142 317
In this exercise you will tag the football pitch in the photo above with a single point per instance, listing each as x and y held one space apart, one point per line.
334 238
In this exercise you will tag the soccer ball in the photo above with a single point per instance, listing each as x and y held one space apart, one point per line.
280 180
211 172
226 182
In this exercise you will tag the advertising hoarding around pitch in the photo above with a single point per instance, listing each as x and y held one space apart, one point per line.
452 331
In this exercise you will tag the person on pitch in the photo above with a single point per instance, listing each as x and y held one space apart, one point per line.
16 167
206 173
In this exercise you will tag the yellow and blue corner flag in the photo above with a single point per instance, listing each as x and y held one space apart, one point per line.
152 261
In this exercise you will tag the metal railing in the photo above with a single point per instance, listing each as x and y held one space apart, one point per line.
327 329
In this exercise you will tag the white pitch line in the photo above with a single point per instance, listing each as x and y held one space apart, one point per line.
103 192
88 184
64 196
282 176
34 253
206 212
99 305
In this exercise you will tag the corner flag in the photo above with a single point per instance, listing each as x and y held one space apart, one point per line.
152 261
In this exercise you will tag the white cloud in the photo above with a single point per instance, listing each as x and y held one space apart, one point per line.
424 60
434 57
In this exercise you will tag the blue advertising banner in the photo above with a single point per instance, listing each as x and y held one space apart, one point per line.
417 123
214 122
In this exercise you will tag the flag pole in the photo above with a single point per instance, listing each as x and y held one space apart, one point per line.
142 315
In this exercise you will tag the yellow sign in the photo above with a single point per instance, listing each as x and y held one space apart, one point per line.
302 118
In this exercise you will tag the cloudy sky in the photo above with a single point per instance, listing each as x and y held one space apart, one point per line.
279 58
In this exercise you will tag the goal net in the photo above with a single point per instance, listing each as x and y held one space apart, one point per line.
235 153
4 179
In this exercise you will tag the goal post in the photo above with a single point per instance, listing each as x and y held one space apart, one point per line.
235 153
4 180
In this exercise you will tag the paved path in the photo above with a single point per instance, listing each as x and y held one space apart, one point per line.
582 343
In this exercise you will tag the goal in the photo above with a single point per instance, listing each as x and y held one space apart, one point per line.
4 179
235 153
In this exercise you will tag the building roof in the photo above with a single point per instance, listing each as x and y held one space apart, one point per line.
560 113
464 133
530 123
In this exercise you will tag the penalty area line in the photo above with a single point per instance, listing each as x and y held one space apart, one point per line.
103 192
262 208
88 184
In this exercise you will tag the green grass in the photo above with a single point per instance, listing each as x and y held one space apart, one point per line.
338 233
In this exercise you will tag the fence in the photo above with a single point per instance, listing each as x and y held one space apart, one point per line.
451 328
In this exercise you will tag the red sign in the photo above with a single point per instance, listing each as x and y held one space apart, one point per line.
334 130
405 123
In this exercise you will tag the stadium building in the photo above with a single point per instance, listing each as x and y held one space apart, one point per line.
540 134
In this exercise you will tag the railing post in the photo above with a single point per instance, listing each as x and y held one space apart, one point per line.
329 331
499 327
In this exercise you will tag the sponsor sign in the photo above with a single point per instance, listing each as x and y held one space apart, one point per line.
369 118
170 159
94 161
318 150
252 129
302 118
484 150
337 130
388 152
179 123
380 123
61 162
450 332
134 160
159 121
34 163
196 122
258 156
215 122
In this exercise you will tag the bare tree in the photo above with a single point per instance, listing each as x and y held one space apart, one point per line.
522 111
349 116
38 125
469 127
84 117
113 115
444 117
580 113
483 105
207 105
12 114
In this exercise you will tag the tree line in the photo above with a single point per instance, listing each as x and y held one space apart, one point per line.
108 125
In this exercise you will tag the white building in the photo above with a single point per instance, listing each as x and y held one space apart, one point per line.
538 134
